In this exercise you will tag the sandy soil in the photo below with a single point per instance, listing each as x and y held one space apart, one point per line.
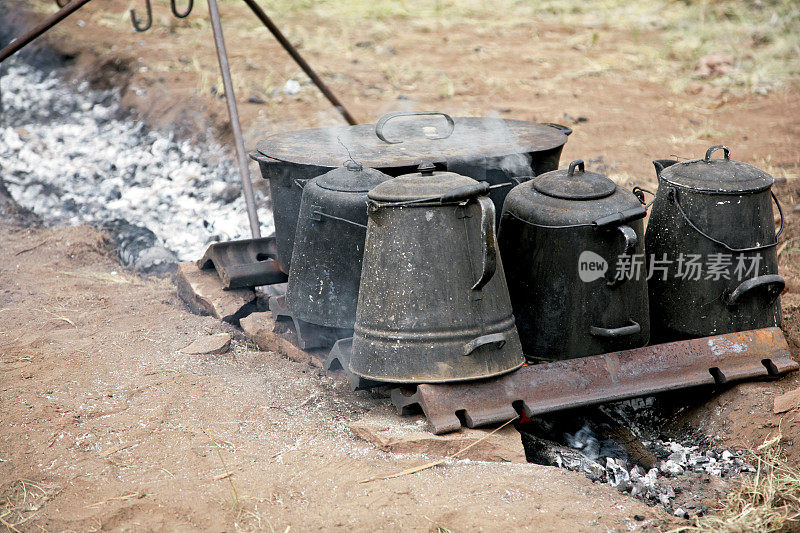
115 429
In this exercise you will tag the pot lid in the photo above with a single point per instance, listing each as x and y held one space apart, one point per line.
574 185
717 175
398 143
353 177
425 184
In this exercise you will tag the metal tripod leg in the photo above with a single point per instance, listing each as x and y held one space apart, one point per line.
233 112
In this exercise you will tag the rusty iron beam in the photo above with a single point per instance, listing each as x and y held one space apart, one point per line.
550 387
302 63
18 44
339 359
244 263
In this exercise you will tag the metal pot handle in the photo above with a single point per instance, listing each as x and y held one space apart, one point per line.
773 282
566 130
725 150
631 241
389 116
672 194
497 338
577 163
624 331
489 255
639 193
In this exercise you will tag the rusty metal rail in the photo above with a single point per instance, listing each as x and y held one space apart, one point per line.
614 376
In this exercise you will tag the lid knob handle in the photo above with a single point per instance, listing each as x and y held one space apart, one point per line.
451 125
725 150
353 166
577 163
426 169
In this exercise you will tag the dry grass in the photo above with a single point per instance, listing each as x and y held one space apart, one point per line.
20 502
662 40
768 502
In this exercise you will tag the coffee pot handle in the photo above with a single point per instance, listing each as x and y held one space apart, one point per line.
774 283
613 333
631 241
489 245
498 339
451 125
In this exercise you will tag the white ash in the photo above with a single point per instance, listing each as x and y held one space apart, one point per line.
69 154
605 461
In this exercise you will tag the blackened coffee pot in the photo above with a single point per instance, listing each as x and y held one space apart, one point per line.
571 242
329 244
711 241
433 305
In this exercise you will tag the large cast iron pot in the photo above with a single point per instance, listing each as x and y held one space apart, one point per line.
561 235
490 149
433 304
329 245
712 229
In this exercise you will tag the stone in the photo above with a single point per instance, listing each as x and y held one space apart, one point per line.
727 455
203 294
786 402
392 434
618 476
593 470
260 329
218 343
678 457
637 472
680 513
671 468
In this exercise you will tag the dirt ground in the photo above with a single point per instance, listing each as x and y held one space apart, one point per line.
106 425
113 428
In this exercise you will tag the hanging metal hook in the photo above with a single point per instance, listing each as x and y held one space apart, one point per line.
137 23
185 13
62 3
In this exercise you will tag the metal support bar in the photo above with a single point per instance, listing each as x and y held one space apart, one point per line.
233 112
49 22
300 61
571 383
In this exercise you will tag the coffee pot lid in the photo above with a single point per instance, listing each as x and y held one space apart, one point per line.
425 184
352 177
722 175
572 184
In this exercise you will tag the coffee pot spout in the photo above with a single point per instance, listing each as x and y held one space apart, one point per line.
661 164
